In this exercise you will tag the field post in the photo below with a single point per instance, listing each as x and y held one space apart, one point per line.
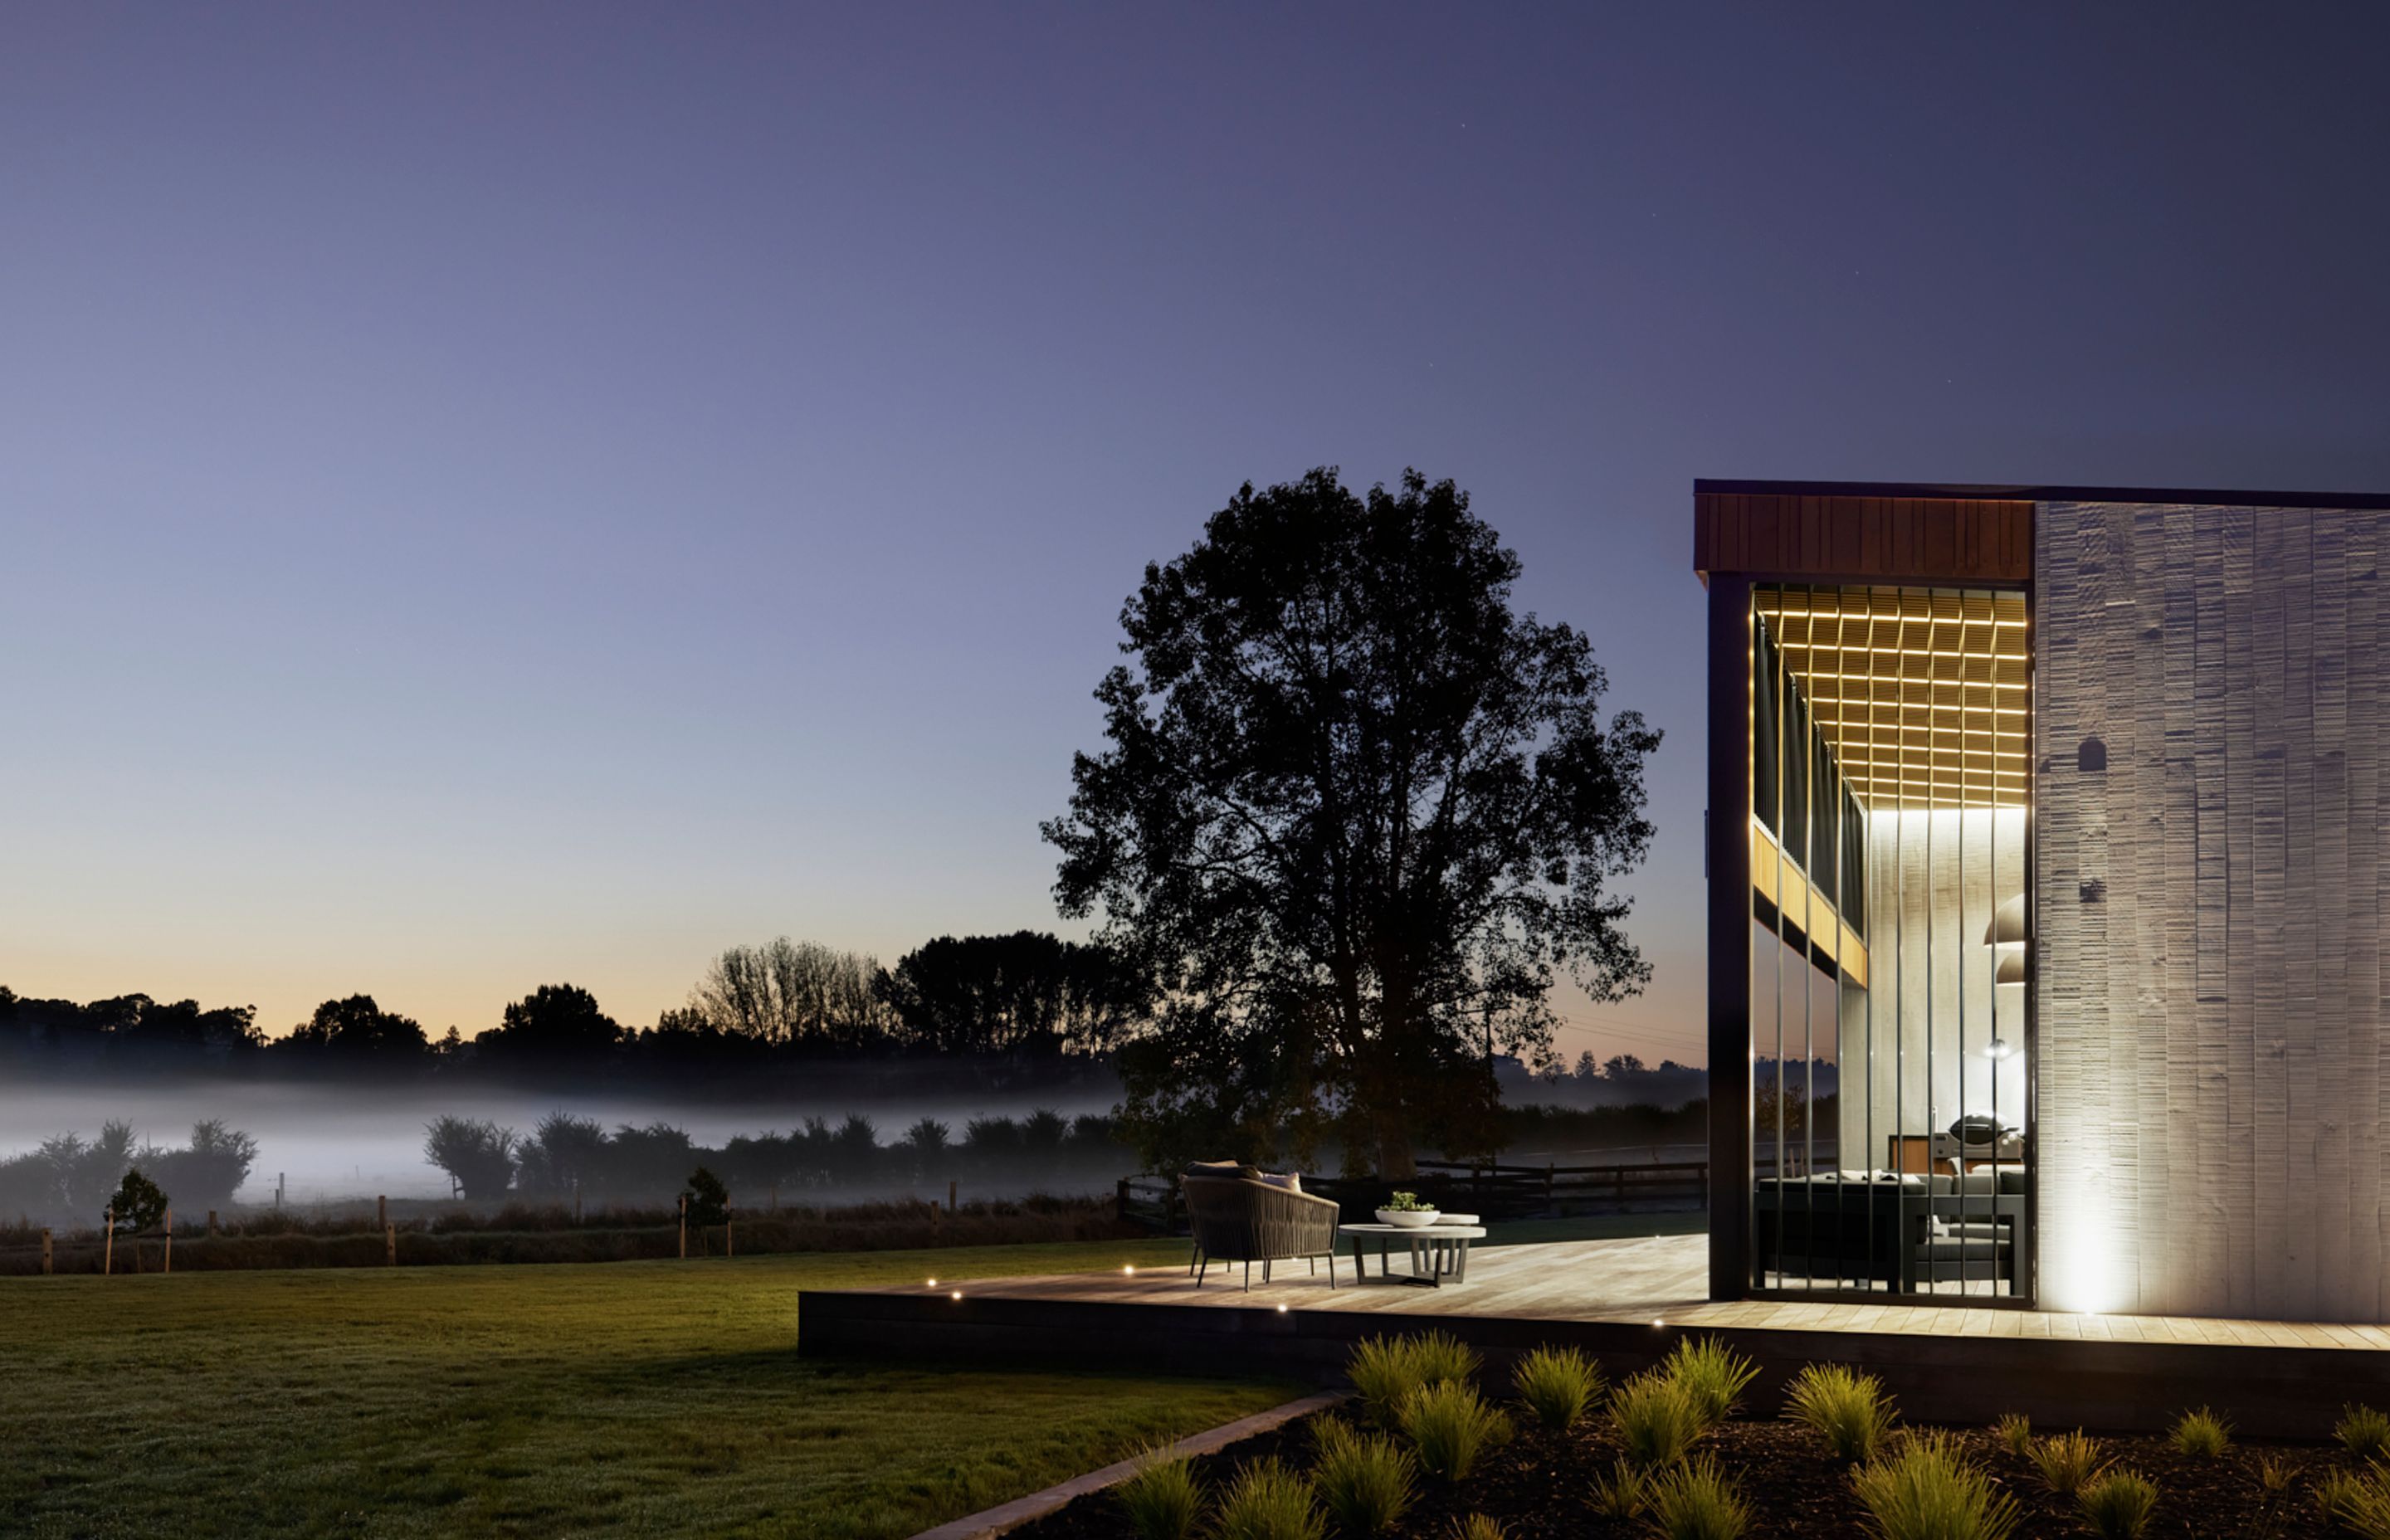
684 1226
170 1241
952 1187
46 1252
729 1239
107 1244
211 1224
381 1212
389 1245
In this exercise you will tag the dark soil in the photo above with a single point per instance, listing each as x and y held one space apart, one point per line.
1540 1486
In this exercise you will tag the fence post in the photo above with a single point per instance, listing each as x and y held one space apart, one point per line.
170 1241
684 1226
952 1187
389 1245
211 1224
729 1236
108 1245
46 1252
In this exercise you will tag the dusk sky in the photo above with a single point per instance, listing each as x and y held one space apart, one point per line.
499 495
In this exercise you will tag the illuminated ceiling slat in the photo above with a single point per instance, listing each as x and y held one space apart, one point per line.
1923 695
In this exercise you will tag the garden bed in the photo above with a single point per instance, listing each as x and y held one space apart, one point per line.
1542 1485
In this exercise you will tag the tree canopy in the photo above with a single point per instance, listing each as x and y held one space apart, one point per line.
357 1027
553 1022
1354 813
1029 995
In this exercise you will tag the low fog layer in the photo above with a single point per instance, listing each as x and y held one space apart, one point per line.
334 1142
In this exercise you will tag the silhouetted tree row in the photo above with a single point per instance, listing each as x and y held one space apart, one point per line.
1027 998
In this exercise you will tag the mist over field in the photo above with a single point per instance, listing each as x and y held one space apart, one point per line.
334 1141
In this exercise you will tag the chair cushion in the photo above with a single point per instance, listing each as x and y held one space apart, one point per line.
1291 1181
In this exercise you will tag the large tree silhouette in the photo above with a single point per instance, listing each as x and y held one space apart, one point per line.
1354 813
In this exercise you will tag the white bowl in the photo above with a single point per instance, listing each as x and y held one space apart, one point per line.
1407 1219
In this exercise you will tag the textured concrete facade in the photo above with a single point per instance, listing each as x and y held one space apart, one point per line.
2210 846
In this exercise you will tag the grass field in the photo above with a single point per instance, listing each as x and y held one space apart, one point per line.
644 1398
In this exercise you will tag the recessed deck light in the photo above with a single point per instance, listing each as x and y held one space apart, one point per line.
1281 1310
956 1295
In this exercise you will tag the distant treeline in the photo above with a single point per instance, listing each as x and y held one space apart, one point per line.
1028 1000
568 1155
69 1176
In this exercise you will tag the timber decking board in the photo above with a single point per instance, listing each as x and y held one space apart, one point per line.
1628 1302
1632 1283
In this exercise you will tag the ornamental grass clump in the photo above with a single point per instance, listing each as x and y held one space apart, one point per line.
2359 1504
1558 1384
2015 1431
1385 1370
1445 1359
1656 1420
2067 1460
2117 1504
1698 1501
1713 1374
1450 1425
1624 1493
2363 1431
2202 1435
1847 1408
1268 1502
1925 1489
1363 1480
1478 1527
1163 1498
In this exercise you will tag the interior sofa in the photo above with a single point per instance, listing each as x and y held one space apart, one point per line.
1900 1231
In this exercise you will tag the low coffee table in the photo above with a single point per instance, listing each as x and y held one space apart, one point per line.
1444 1248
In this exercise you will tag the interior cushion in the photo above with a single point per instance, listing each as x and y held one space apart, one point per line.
1290 1181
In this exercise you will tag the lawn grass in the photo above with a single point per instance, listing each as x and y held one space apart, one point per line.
647 1398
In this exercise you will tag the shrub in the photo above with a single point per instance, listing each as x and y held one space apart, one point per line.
1656 1420
1450 1426
2117 1505
479 1156
2202 1435
1268 1502
2363 1431
2067 1460
1848 1409
1713 1374
1558 1384
1698 1501
1163 1498
2016 1429
1364 1481
1925 1490
1478 1527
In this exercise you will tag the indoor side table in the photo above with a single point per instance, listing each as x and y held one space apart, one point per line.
1438 1252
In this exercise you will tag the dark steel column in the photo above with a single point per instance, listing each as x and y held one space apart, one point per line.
1730 906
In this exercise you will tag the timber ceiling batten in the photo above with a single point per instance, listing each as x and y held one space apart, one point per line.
1923 694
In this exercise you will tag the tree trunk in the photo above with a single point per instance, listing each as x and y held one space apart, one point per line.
1395 1160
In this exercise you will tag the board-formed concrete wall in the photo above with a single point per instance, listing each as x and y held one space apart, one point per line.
2211 713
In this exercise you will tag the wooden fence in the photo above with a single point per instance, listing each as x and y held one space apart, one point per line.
1490 1191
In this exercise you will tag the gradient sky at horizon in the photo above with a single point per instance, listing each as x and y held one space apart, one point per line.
492 495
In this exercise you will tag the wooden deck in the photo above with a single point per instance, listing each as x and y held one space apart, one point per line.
1627 1301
